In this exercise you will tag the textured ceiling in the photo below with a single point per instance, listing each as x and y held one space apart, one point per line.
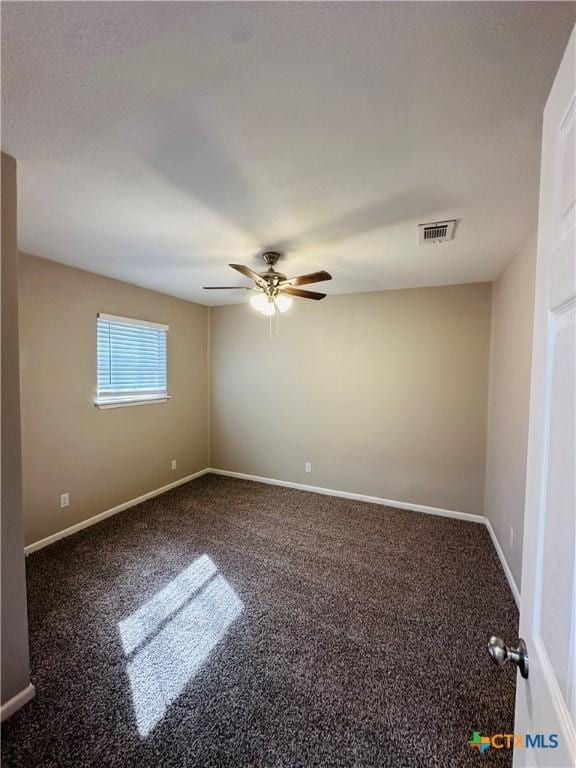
159 141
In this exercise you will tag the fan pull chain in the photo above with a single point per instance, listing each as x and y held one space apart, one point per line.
277 321
269 326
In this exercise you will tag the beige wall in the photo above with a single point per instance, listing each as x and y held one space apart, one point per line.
15 667
509 396
384 393
101 457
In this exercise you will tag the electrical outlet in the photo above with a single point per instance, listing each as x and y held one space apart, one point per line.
308 467
173 464
511 537
64 500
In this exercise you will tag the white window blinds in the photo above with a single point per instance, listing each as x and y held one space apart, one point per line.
131 360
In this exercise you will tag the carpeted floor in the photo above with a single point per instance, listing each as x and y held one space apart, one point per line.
228 623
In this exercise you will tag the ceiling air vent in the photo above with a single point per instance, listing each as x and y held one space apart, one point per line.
436 232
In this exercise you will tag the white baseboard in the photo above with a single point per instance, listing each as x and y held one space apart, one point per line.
355 496
14 704
109 512
503 561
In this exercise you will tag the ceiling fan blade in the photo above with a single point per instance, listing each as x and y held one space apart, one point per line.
249 273
302 294
228 288
313 277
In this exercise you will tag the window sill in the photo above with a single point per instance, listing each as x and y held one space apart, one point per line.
105 405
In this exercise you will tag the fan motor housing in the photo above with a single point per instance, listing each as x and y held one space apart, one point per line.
271 276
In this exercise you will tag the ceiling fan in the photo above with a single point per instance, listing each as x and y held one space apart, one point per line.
274 289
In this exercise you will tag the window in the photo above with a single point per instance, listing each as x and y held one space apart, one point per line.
131 362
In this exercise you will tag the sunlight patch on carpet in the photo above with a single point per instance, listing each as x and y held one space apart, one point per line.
168 638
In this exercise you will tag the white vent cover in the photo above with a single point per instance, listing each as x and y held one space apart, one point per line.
436 232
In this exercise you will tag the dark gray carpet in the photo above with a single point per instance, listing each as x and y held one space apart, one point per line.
228 623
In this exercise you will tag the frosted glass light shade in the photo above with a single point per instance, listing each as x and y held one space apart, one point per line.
262 304
283 302
269 309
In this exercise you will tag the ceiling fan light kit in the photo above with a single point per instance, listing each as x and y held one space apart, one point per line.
263 304
267 305
275 290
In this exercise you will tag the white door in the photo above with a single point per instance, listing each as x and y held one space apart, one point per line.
546 701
